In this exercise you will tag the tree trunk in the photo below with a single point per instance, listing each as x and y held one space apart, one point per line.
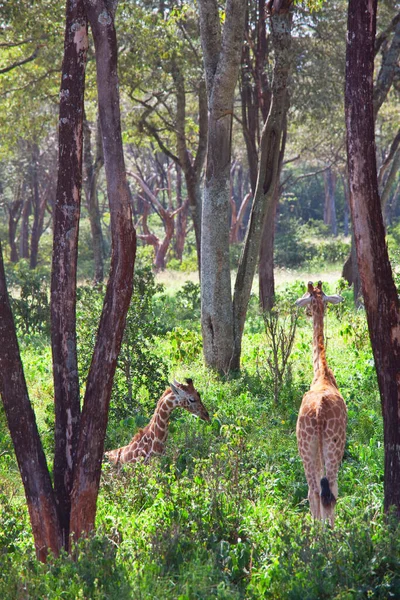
263 206
266 259
380 294
24 240
65 255
119 287
221 61
181 221
14 214
25 436
330 203
92 170
191 169
38 213
391 178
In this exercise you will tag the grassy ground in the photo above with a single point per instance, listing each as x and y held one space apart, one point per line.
224 513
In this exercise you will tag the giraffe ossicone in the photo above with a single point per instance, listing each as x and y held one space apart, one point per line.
152 439
322 420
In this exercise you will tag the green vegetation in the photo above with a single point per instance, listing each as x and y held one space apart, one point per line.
223 514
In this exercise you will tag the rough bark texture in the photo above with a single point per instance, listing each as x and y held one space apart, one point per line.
263 205
380 295
65 254
221 61
119 288
25 436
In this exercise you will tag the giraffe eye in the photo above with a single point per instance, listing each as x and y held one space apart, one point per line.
192 399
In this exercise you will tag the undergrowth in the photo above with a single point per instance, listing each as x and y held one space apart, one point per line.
223 514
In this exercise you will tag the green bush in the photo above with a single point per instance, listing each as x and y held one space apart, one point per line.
29 296
141 374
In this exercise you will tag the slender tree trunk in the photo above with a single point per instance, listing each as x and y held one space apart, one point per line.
266 258
380 294
25 436
391 178
191 169
181 220
37 208
65 255
14 214
24 241
92 170
221 61
330 201
119 287
263 205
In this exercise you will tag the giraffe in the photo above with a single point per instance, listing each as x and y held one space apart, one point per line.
152 439
322 420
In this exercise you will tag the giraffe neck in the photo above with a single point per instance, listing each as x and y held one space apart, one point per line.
319 354
160 418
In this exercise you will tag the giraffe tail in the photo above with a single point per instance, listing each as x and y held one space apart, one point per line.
328 500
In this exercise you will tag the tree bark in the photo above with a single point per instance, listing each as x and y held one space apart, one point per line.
25 436
92 170
266 276
330 203
221 52
14 214
65 255
181 221
24 241
380 294
263 205
119 287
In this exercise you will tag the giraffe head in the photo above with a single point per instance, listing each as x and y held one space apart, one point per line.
316 299
189 398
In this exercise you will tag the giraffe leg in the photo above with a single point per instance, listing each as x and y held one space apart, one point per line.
312 467
330 494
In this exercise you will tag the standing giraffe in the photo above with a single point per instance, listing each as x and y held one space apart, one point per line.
321 425
152 439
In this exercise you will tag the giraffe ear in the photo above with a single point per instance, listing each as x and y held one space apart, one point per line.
304 300
334 299
177 391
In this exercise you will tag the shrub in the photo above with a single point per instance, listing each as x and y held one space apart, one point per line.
29 297
141 374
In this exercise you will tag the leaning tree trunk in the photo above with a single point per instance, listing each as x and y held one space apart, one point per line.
266 273
281 24
380 294
25 436
65 256
119 287
221 62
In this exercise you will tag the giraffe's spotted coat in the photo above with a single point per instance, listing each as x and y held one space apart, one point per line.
152 439
321 425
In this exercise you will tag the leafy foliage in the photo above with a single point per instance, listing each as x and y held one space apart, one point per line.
30 291
141 374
